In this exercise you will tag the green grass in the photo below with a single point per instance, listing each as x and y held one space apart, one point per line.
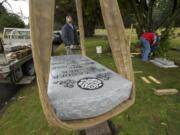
24 116
150 115
175 42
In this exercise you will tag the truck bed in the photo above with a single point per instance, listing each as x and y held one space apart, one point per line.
14 64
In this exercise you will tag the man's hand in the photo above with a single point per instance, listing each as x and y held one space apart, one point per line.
75 47
71 46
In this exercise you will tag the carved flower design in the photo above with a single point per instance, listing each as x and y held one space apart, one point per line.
90 83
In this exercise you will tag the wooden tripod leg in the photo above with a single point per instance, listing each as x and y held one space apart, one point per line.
117 37
41 24
81 25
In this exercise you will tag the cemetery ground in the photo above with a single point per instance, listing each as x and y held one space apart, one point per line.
150 115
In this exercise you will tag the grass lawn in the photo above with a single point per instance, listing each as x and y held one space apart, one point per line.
150 115
175 42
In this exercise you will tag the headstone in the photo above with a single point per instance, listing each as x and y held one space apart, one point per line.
80 88
164 63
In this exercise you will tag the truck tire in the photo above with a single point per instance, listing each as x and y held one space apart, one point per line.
7 91
28 68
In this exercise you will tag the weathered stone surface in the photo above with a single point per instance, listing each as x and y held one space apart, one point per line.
81 88
164 63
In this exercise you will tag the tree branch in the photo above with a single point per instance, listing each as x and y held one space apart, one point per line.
168 20
137 13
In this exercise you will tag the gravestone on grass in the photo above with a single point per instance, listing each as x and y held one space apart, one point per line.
164 63
80 88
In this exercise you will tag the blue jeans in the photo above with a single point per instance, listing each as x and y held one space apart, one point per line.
146 49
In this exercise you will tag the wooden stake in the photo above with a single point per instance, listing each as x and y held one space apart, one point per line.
162 92
138 72
154 79
145 80
135 53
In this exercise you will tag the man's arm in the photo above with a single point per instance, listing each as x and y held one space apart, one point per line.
65 36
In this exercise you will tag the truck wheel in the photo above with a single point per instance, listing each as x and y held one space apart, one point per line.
28 68
7 91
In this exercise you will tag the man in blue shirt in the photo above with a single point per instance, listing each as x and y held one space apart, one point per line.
70 36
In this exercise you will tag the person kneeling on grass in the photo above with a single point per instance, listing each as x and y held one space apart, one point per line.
149 42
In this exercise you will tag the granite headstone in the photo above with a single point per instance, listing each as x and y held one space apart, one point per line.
80 88
164 63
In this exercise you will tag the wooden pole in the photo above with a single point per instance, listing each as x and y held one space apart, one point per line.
120 49
81 25
117 37
41 24
118 40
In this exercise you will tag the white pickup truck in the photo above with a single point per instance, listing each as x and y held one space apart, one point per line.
16 63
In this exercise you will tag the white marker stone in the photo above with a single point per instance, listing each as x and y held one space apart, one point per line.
164 63
80 88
